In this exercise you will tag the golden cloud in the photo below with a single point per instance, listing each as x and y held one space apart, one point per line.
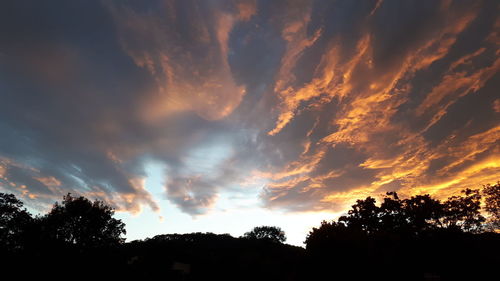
367 100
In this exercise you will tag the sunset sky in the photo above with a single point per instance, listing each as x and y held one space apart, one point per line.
220 116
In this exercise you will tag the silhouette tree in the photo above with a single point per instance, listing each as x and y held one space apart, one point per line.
405 216
422 213
492 205
414 215
332 235
408 235
14 220
364 216
463 212
80 222
271 233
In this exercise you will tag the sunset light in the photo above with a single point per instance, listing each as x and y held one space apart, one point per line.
218 116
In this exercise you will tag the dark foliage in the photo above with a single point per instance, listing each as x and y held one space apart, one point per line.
14 222
78 221
270 233
208 256
418 238
76 237
492 206
416 214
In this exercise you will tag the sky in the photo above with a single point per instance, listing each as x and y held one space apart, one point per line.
218 116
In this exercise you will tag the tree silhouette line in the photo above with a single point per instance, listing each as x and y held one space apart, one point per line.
416 238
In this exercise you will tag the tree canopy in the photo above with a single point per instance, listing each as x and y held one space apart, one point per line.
271 233
409 217
14 220
492 205
396 238
78 221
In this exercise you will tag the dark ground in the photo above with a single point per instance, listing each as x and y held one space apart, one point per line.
222 257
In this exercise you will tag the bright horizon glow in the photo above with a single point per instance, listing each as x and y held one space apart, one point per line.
230 216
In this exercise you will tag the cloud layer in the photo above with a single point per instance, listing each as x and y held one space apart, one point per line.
316 103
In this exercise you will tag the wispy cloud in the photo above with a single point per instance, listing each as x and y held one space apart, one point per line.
315 103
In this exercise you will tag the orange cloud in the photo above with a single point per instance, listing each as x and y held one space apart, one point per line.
327 83
246 9
484 172
496 105
3 172
454 86
49 181
188 78
367 102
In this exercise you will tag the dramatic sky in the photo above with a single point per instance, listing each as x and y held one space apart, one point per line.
224 115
